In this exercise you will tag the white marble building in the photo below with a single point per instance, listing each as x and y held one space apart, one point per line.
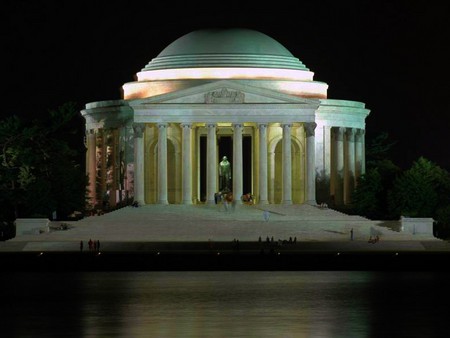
235 93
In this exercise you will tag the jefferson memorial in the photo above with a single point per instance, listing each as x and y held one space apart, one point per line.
234 93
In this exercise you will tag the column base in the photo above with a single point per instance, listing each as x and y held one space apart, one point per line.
287 202
140 202
263 202
165 202
187 202
210 202
312 202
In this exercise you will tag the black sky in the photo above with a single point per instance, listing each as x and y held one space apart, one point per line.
392 55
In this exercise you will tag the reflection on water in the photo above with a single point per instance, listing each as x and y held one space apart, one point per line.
223 304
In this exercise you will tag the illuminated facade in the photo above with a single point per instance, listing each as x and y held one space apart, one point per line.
214 93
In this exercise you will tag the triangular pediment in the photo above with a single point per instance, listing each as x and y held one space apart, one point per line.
223 92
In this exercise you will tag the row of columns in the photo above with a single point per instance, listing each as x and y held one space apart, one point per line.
91 163
102 167
211 165
349 162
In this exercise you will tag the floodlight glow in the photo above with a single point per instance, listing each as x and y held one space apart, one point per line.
148 88
225 73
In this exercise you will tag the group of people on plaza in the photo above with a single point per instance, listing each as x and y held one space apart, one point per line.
373 240
280 242
226 199
93 245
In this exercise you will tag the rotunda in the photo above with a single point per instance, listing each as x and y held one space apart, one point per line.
224 92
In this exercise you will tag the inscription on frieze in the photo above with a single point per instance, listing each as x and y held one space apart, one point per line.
224 95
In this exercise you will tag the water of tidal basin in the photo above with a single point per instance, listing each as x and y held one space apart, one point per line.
224 304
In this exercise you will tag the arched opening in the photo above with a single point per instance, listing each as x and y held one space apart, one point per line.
297 172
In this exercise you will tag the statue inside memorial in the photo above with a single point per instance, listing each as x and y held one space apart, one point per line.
225 175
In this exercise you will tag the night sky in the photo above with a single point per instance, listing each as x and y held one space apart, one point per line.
392 55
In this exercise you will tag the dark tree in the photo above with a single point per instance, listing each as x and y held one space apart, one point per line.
370 196
40 168
420 191
379 149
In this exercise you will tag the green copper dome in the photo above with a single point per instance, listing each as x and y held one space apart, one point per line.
243 48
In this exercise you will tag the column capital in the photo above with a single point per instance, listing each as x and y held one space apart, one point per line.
350 132
138 129
262 125
210 125
359 134
310 128
339 133
162 125
186 125
237 125
286 125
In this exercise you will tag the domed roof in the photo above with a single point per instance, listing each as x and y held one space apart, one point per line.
225 48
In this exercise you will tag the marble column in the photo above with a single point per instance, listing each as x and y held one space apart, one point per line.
349 175
287 164
91 164
138 129
339 184
101 167
162 163
363 142
359 158
237 162
327 151
211 165
262 127
113 144
310 163
187 163
272 177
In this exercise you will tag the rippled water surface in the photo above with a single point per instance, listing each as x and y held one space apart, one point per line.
224 304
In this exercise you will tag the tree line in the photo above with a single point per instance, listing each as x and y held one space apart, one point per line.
386 191
41 171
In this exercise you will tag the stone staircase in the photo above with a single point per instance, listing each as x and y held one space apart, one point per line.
203 223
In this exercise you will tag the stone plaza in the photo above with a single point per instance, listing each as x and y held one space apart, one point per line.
145 228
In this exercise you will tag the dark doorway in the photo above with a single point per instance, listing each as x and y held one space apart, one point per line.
225 144
225 148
